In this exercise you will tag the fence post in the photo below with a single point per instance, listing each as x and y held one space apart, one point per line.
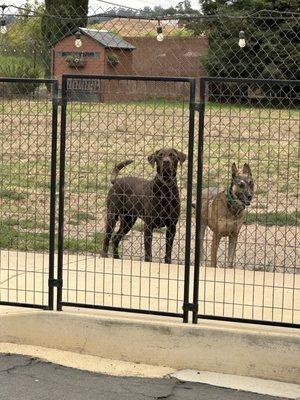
201 110
186 304
53 192
61 191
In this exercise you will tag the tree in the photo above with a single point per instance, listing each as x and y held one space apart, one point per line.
24 34
61 18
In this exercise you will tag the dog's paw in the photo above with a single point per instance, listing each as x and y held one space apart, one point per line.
104 255
168 260
116 256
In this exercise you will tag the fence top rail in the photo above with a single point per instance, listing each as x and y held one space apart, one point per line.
27 80
130 78
250 80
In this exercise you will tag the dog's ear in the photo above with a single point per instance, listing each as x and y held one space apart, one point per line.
181 156
152 158
234 170
247 169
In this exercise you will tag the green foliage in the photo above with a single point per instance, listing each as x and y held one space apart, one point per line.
61 18
113 58
18 67
182 33
11 238
12 195
24 35
274 219
272 40
24 43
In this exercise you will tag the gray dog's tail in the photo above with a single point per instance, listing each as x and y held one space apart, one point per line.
117 169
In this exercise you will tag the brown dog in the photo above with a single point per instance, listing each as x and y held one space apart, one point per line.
224 212
156 201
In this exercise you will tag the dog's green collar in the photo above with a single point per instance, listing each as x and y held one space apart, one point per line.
230 198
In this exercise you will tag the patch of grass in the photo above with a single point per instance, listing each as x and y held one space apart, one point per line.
81 217
121 129
11 238
95 186
259 191
24 175
139 226
12 195
43 184
261 206
92 244
288 187
155 102
274 219
251 108
25 223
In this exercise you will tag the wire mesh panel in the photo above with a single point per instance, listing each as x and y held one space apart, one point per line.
250 257
128 152
27 169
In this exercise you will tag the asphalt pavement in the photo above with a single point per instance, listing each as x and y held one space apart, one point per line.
27 378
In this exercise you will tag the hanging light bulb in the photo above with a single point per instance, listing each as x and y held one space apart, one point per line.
78 41
242 41
159 31
3 28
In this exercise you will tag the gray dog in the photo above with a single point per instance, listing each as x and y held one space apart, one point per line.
156 202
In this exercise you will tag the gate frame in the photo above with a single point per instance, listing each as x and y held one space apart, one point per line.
53 168
187 306
201 127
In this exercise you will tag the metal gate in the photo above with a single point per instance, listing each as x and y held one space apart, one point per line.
27 191
255 122
121 118
131 117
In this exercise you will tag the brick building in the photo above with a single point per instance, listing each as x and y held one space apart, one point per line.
100 53
144 56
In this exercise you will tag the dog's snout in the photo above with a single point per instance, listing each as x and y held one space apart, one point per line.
249 196
166 161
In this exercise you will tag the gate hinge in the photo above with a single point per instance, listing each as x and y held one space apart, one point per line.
55 283
198 106
190 307
59 101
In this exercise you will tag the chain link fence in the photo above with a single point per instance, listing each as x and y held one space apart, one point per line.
262 45
109 121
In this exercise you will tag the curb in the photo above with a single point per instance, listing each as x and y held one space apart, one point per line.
232 348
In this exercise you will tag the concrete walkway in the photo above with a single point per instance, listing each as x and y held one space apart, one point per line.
152 286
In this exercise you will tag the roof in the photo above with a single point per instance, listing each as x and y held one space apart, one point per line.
107 39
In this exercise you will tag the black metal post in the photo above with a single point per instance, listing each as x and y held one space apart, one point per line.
61 192
53 193
189 202
199 200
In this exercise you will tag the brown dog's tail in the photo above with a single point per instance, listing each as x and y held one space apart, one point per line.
117 169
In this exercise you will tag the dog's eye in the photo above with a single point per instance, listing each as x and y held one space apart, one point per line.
242 185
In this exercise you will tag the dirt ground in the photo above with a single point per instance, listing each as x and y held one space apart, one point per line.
100 135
